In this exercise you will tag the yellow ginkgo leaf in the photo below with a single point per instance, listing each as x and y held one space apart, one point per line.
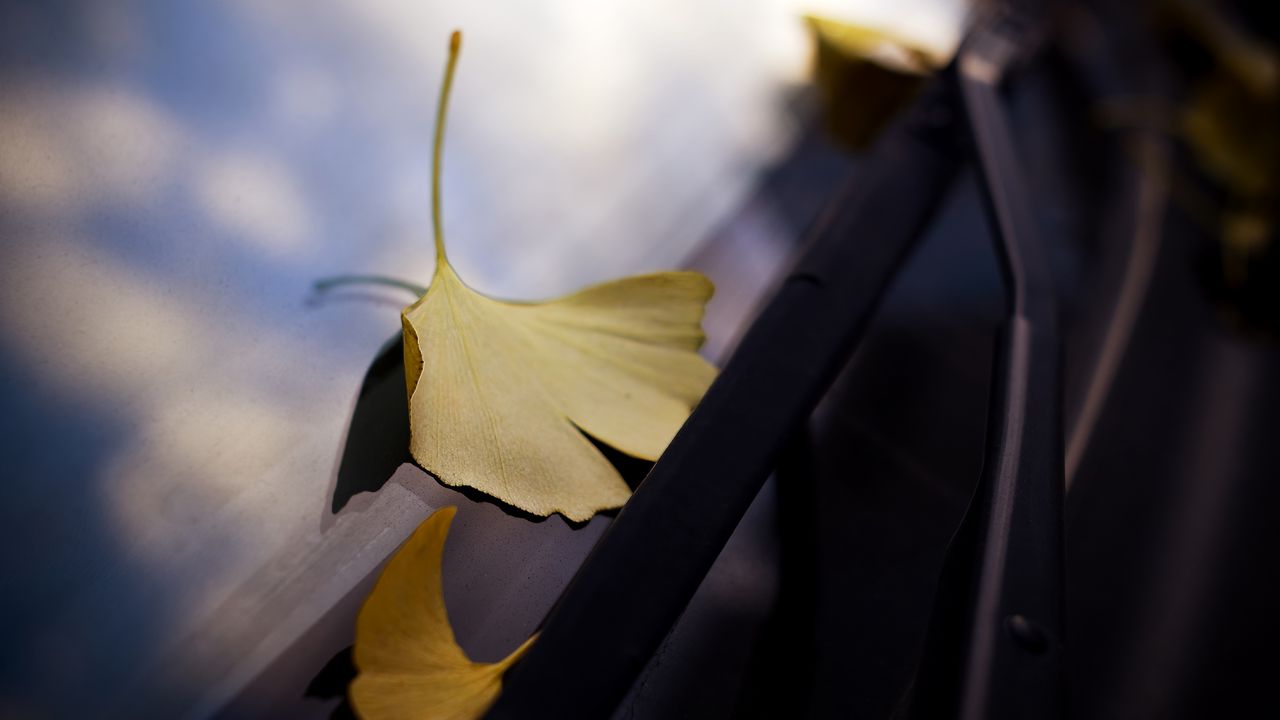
500 393
865 76
885 48
409 664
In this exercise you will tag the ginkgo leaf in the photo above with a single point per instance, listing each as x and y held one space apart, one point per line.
865 76
882 47
410 665
500 393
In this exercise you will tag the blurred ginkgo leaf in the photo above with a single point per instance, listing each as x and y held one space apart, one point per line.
1229 122
410 665
500 393
866 75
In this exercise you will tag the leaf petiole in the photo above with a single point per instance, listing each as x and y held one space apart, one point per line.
328 284
442 109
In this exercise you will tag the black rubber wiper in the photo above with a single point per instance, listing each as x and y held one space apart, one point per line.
995 640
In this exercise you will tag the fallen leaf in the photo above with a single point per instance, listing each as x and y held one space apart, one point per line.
1229 131
884 48
865 76
500 393
410 665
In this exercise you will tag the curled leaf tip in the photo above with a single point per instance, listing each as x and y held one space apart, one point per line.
410 665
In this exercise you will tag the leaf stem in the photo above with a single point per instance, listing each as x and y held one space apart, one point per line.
330 283
455 45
